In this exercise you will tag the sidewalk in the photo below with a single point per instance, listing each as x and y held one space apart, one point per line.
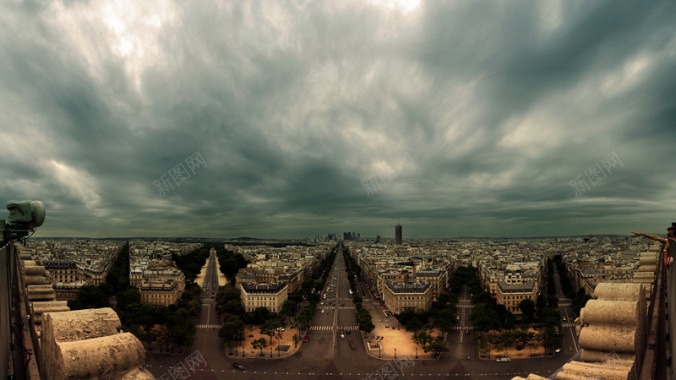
282 340
399 341
513 353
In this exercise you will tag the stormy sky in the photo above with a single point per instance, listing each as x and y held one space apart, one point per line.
279 119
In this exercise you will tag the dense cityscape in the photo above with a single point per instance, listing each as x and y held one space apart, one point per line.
340 305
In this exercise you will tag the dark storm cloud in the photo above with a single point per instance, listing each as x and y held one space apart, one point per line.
473 117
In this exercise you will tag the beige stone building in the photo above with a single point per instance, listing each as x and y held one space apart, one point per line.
62 270
511 295
67 290
400 296
96 276
161 292
163 286
437 277
270 296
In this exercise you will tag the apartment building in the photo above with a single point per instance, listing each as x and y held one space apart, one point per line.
161 292
269 296
62 270
401 296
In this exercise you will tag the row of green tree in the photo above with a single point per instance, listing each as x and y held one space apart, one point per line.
229 262
363 315
466 275
118 275
521 338
548 320
352 268
551 288
364 319
488 315
191 263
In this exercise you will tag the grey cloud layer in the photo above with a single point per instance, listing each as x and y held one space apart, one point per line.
497 106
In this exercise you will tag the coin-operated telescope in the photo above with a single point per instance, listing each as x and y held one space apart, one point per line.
24 218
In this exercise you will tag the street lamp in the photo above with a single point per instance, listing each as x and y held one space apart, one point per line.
395 353
379 346
416 352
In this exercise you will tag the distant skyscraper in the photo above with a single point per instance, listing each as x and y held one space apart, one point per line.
397 234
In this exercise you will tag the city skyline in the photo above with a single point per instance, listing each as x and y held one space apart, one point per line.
297 119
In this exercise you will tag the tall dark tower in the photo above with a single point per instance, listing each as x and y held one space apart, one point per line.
397 234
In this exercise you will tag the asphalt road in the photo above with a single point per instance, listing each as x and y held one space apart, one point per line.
210 285
570 339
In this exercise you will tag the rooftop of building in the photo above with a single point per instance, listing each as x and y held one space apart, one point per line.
263 288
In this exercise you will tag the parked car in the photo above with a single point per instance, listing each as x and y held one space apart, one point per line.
239 366
280 328
306 339
504 360
342 336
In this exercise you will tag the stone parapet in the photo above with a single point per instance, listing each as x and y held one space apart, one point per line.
40 292
609 338
38 308
86 344
108 357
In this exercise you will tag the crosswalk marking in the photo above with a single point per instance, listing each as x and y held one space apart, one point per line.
208 326
325 328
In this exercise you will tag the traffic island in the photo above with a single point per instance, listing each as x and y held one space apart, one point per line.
280 345
388 344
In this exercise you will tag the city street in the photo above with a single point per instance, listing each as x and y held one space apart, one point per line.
210 284
570 339
208 319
